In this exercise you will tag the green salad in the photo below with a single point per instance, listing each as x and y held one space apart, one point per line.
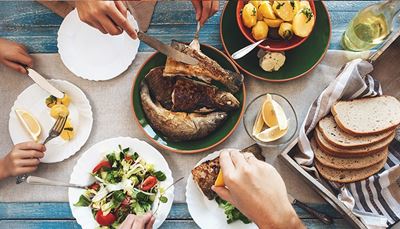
125 184
232 213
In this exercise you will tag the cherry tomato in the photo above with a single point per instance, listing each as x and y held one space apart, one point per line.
101 165
105 220
95 186
148 183
126 201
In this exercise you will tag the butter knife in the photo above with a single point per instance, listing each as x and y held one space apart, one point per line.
321 216
44 84
43 181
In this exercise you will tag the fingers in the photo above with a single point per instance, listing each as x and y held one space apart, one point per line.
250 158
141 221
223 193
237 158
128 222
120 20
226 163
214 7
31 146
122 8
205 12
197 8
15 66
25 59
109 26
28 162
150 224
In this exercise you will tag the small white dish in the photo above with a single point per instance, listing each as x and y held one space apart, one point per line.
32 99
206 213
90 158
92 55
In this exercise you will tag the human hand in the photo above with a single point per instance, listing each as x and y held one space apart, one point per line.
107 16
14 56
23 158
257 190
205 9
145 221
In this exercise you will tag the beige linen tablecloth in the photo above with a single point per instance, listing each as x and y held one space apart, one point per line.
111 105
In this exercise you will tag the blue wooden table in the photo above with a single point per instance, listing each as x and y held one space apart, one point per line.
36 26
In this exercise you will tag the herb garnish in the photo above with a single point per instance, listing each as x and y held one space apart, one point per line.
254 12
280 4
307 12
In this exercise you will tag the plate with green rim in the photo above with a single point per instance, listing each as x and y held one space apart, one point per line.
299 60
194 146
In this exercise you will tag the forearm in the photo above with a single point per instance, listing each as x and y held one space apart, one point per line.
281 221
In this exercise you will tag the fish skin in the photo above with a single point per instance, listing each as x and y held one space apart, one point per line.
179 126
207 69
187 95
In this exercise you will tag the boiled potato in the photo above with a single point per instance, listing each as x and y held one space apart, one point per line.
260 31
285 31
284 9
59 110
273 23
68 133
255 3
51 101
65 100
303 22
265 9
249 15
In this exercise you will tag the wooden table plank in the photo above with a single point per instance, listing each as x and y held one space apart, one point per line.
34 25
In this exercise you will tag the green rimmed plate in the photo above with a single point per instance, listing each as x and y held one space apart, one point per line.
299 61
210 141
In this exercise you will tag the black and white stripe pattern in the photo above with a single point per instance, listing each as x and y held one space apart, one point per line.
370 195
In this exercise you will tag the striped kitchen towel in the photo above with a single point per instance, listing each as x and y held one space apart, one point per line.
375 200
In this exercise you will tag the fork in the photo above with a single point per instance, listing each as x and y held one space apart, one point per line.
55 131
195 43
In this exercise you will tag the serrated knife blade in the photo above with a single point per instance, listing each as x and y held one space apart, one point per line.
44 84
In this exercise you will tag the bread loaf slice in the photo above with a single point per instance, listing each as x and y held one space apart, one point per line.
367 115
347 176
337 137
347 162
353 151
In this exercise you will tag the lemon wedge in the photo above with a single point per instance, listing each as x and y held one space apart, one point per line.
30 123
271 134
259 124
273 114
219 182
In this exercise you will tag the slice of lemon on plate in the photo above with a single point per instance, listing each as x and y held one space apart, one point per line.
259 124
30 123
219 182
271 134
273 114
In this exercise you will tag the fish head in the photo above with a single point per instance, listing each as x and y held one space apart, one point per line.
227 101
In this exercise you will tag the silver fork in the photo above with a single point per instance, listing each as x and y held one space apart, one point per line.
55 131
195 44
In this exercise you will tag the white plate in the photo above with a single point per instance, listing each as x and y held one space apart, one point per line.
89 159
206 213
92 55
32 99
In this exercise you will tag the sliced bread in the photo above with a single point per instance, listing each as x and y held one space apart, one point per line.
347 176
347 162
337 137
367 115
353 151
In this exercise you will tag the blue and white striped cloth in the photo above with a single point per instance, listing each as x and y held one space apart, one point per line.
375 200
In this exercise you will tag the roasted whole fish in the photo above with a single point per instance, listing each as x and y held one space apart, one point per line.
207 70
187 95
179 126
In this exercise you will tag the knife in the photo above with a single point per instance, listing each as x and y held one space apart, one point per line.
321 216
163 48
44 84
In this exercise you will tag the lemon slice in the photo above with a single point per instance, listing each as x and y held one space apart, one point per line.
30 123
219 182
259 124
273 114
271 134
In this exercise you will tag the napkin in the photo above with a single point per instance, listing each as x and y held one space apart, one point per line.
142 16
376 200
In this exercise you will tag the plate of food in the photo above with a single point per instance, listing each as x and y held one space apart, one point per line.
123 176
277 66
35 112
206 208
92 55
188 108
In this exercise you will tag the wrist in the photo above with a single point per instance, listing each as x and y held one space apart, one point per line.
286 218
3 169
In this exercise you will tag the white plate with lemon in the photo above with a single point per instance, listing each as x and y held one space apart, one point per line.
34 114
206 213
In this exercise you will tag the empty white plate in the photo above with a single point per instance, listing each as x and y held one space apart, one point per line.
92 55
32 99
81 174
